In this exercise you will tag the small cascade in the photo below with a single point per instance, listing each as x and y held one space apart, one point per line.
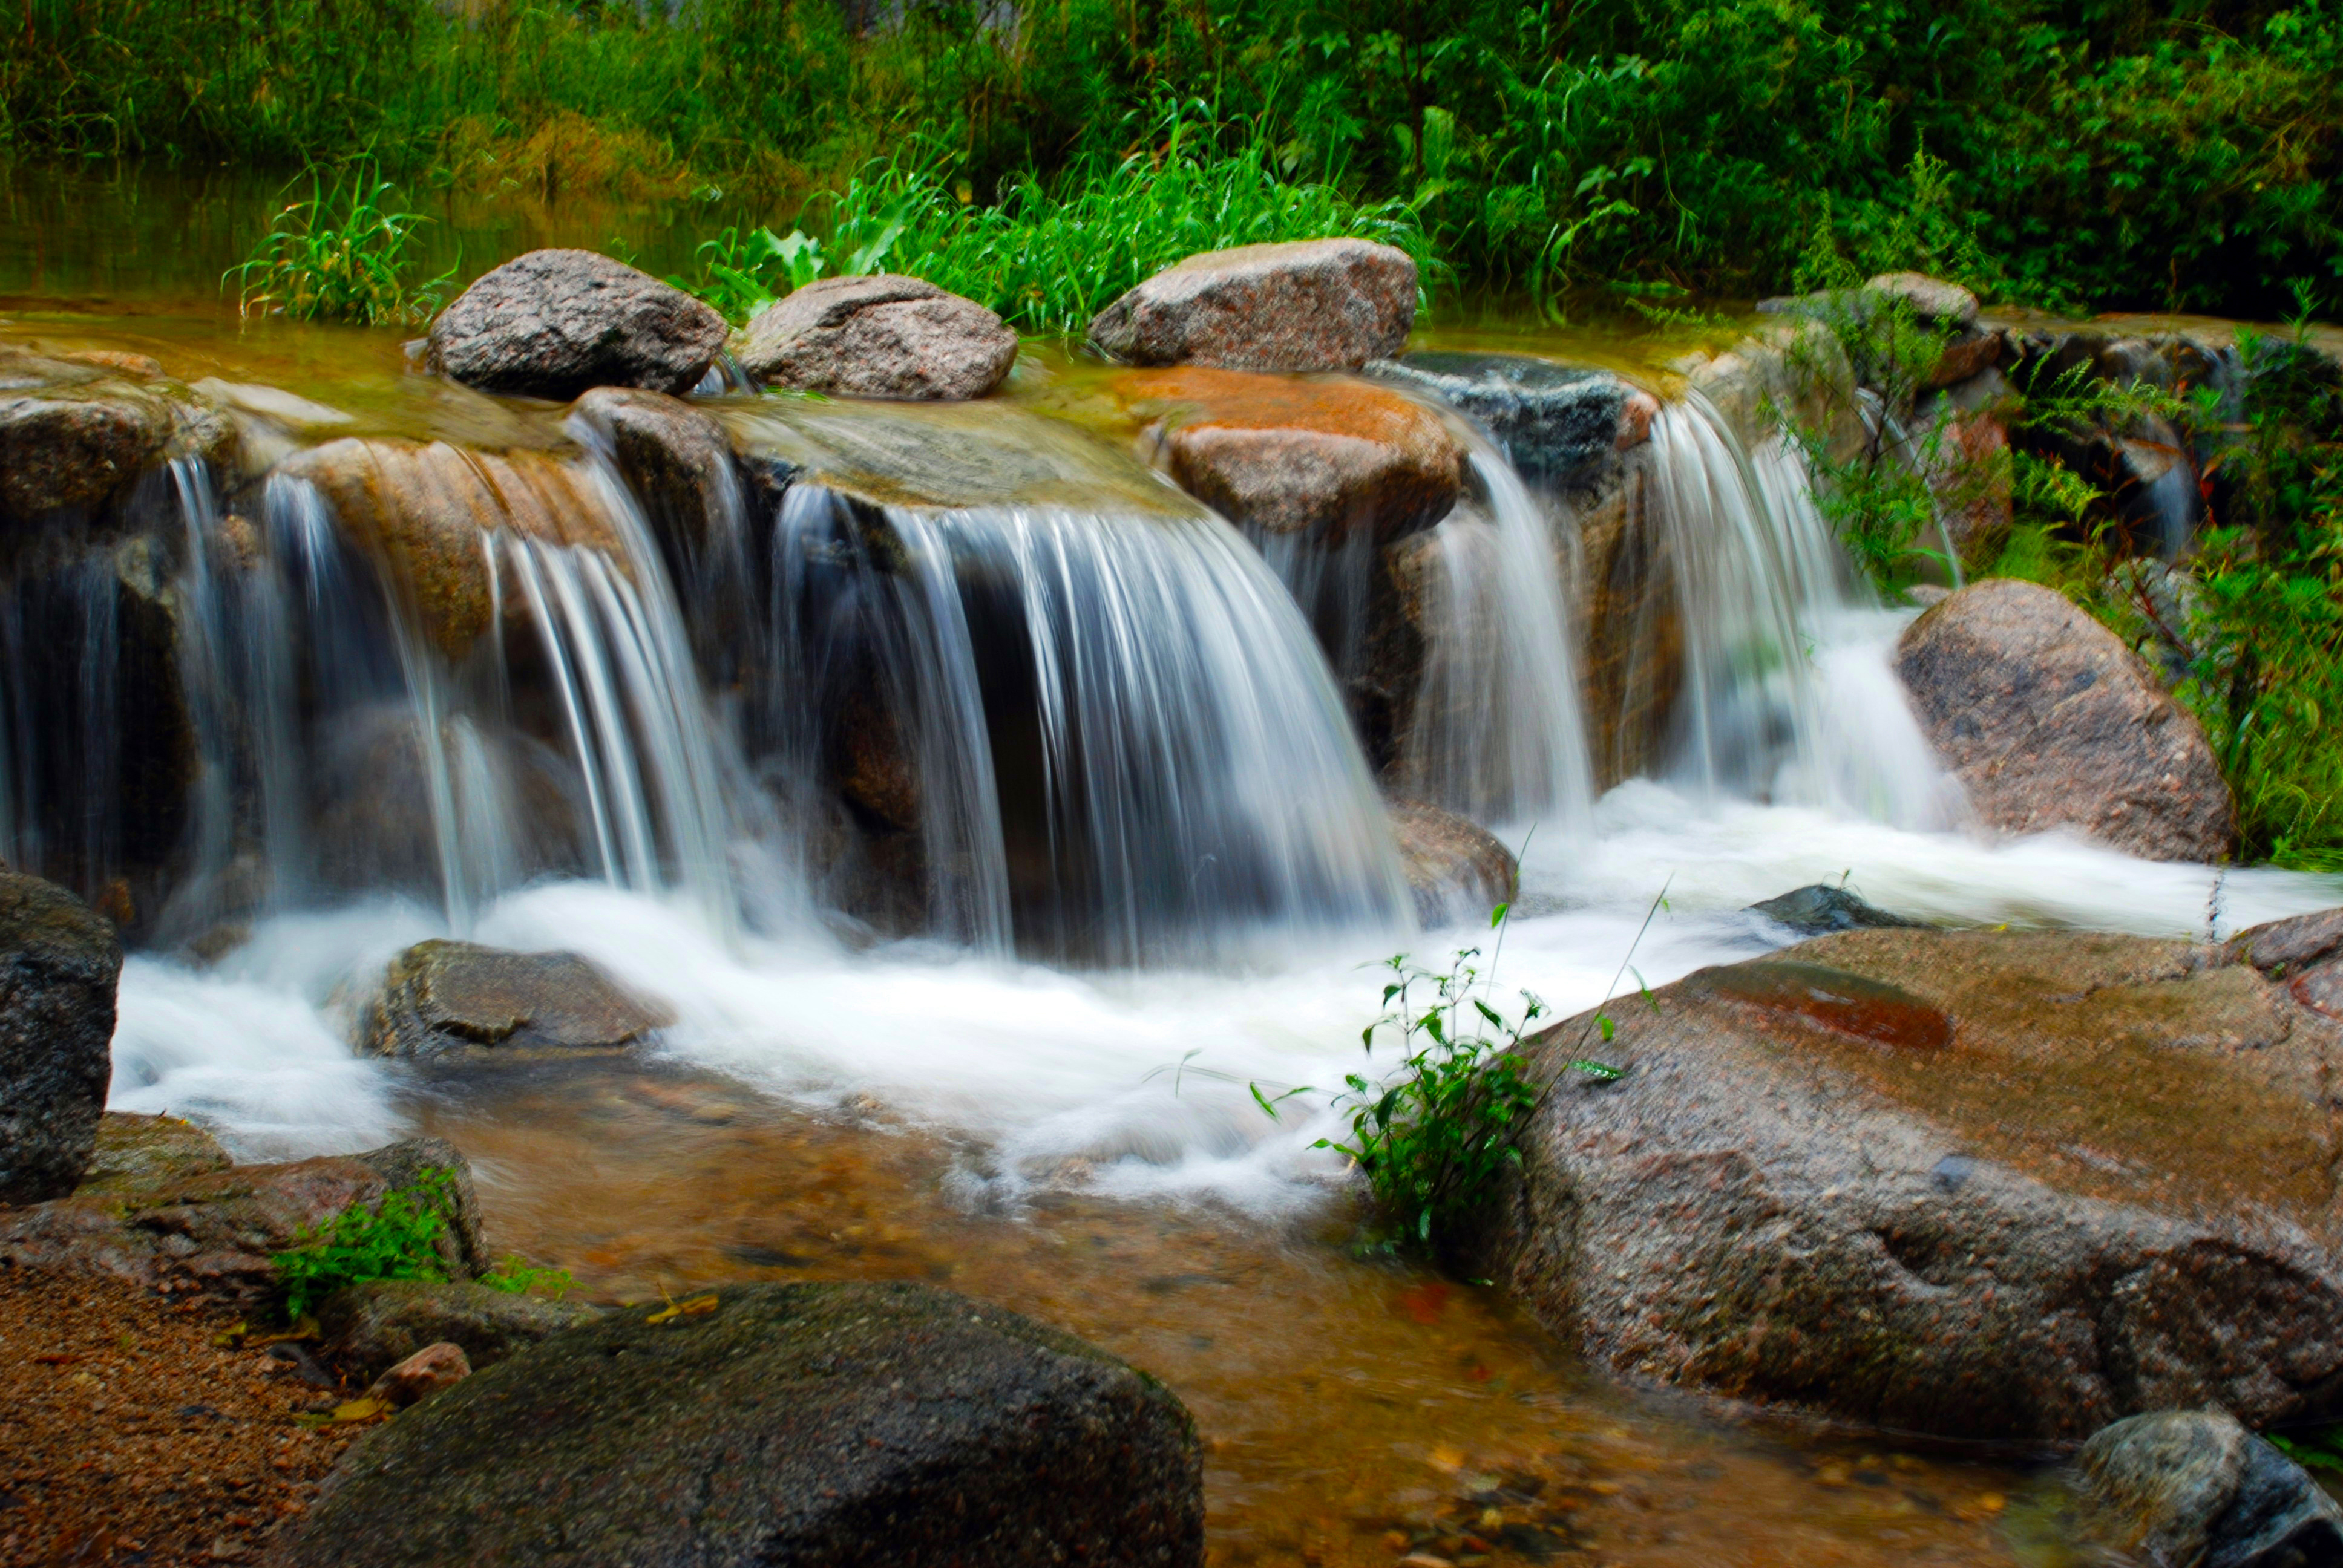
1786 696
1120 741
1497 732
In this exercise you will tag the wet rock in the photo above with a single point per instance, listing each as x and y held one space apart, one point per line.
1632 666
772 1423
59 961
1819 909
2289 947
72 447
1969 475
434 1369
1331 459
1310 305
215 1232
1457 869
881 336
1970 1183
440 996
1559 424
2195 1487
367 1328
676 460
1932 299
135 1152
553 323
424 508
2050 721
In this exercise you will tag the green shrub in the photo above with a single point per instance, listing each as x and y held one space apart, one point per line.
339 254
398 1238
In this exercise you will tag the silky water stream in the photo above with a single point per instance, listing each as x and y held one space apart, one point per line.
1146 870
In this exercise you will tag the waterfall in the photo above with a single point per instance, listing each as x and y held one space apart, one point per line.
1497 732
1786 695
1123 743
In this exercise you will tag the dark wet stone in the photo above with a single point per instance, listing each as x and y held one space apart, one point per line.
59 961
440 996
828 1423
1976 1184
554 323
2281 947
2195 1487
1310 305
369 1328
1821 908
1559 424
61 448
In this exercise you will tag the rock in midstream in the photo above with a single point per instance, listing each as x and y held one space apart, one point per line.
813 1424
1821 908
440 996
2188 1486
554 323
1308 304
1559 424
1983 1184
1457 869
214 1229
59 962
2049 721
879 336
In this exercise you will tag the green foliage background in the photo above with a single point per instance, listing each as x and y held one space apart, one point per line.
2104 153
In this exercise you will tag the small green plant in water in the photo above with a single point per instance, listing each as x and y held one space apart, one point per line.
339 253
515 1276
398 1238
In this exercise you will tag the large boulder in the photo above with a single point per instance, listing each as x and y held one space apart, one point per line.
1973 1184
216 1230
677 461
553 323
59 961
59 449
816 1423
1456 869
2049 721
366 1329
136 1153
1309 305
2195 1487
879 337
1331 460
441 995
1560 425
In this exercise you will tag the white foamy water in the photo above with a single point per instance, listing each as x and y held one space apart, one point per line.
1140 1076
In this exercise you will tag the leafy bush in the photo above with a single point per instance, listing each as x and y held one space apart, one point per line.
1433 1137
398 1238
339 254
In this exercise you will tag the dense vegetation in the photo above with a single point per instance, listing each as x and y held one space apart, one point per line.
2110 152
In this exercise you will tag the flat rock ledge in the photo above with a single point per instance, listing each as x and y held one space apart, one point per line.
816 1423
1978 1184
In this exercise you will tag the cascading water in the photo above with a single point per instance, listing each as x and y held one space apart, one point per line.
1497 732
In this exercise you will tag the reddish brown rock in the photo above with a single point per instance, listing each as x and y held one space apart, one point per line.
1457 869
1331 458
1311 304
1973 1183
2050 721
421 1375
879 336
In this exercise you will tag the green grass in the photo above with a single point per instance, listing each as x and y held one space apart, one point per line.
2103 153
1050 255
398 1238
339 253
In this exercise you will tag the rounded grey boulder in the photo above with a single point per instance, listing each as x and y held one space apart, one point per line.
554 323
440 996
822 1424
1309 305
59 961
2050 721
2193 1486
879 336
